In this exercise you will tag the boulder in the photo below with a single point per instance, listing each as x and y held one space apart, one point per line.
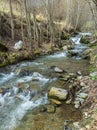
18 45
58 93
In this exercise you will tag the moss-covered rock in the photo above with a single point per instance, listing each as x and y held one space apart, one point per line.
85 39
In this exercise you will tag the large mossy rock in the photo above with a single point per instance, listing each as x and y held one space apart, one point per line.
58 93
3 48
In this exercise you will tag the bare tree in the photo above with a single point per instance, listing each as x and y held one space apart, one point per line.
28 19
12 20
93 10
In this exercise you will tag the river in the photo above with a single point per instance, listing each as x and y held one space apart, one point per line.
25 86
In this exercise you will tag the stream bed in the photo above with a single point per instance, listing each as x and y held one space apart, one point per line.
25 87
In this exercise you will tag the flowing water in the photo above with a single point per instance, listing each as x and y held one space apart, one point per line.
25 87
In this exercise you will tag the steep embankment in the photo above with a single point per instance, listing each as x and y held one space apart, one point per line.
9 55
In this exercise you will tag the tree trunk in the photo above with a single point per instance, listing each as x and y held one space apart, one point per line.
12 21
93 12
28 24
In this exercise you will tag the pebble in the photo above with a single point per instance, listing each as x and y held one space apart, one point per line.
55 101
58 70
83 95
51 109
69 101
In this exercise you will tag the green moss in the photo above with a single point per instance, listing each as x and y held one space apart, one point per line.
95 112
37 52
4 63
85 40
94 77
12 57
92 68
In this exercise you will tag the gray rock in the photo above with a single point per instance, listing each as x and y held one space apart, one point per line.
65 47
81 100
83 95
18 45
77 104
79 73
58 70
82 84
79 78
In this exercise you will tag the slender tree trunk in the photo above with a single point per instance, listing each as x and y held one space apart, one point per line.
12 21
35 28
78 14
50 22
22 29
28 24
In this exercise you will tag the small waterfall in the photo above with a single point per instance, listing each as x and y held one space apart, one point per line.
79 47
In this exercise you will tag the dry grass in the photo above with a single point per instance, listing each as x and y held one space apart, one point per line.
4 7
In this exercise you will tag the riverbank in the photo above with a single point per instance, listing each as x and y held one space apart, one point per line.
10 55
89 107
